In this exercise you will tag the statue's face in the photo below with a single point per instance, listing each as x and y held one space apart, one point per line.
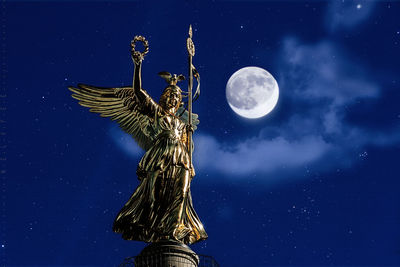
173 100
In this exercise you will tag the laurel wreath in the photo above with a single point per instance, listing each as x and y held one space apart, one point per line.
139 54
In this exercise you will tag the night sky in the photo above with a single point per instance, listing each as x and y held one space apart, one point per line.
313 183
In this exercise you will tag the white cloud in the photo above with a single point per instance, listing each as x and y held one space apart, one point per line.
125 142
325 72
256 155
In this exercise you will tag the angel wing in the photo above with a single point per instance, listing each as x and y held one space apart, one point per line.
119 104
184 116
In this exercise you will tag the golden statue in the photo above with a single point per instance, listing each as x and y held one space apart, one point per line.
161 207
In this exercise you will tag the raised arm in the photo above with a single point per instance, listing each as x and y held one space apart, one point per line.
137 76
146 104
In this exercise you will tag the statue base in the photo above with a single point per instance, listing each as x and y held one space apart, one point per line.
167 253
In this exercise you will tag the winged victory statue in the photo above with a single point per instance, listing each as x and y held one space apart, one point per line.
161 207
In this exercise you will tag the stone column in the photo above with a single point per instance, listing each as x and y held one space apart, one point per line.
167 253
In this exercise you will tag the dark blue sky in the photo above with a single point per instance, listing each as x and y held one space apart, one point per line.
314 183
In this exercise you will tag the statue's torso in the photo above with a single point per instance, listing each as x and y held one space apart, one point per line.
169 148
169 126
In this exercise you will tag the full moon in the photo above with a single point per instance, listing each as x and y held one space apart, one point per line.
252 92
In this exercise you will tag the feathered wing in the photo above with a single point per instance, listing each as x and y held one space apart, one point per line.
184 115
121 105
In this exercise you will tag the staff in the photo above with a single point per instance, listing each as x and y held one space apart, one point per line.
190 48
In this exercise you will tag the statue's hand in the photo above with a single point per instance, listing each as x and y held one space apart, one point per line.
137 57
190 128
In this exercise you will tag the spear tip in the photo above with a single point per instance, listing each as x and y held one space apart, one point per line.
190 31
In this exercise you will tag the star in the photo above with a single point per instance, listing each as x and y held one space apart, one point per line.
359 6
363 154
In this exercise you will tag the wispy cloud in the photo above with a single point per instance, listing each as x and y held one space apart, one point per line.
257 155
125 142
346 14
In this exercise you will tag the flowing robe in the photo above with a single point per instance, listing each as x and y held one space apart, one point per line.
161 207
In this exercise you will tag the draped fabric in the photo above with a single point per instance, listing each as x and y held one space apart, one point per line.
161 207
